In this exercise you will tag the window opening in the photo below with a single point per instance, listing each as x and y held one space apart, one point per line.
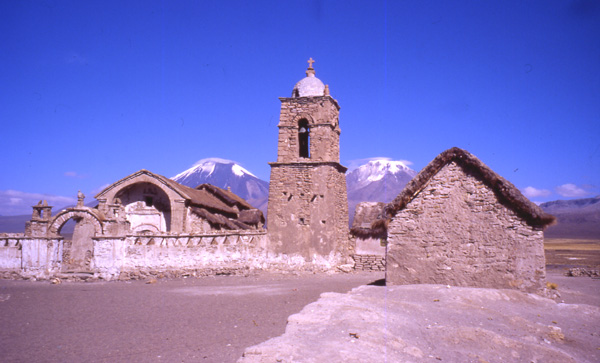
304 138
148 201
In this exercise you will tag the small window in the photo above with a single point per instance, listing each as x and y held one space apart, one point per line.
304 139
149 201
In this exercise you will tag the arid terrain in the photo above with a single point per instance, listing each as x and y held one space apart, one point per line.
214 319
572 252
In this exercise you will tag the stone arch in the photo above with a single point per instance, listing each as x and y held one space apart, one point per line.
62 217
146 204
177 198
308 117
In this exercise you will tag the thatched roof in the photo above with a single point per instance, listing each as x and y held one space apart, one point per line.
204 199
226 196
252 216
365 215
218 220
504 190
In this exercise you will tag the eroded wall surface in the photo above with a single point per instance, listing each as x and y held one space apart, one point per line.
162 253
308 212
30 256
456 232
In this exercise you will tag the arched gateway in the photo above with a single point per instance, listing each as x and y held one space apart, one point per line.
78 248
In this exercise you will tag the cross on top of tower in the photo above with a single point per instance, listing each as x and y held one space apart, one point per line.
310 63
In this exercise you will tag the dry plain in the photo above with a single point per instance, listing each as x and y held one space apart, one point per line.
214 319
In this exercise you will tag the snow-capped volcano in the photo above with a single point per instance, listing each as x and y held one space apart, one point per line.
227 173
376 170
379 180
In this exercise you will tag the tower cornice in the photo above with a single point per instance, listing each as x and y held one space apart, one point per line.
310 164
310 99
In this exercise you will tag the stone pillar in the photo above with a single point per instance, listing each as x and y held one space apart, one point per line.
40 218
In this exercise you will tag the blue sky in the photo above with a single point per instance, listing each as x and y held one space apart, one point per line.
92 91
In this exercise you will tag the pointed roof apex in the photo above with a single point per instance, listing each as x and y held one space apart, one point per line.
505 191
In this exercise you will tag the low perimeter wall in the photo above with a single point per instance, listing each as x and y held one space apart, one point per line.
141 256
30 257
134 255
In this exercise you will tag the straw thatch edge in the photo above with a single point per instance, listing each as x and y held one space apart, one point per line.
504 190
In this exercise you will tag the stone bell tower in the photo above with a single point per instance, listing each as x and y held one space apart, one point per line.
308 204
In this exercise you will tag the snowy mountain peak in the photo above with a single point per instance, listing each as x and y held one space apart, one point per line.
227 174
377 169
206 167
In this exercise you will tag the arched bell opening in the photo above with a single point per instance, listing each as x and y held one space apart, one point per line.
304 138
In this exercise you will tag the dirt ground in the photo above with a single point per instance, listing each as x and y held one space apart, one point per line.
431 323
209 319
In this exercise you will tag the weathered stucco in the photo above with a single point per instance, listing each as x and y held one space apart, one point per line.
30 256
456 232
114 257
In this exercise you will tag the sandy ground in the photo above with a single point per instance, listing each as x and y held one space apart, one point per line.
431 323
184 320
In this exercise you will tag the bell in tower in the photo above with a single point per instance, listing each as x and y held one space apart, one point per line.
308 206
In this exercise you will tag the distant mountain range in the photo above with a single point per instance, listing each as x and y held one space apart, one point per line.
576 218
376 181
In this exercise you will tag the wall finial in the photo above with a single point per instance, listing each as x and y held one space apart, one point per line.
80 198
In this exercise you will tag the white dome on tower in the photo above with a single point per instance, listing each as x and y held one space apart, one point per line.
310 86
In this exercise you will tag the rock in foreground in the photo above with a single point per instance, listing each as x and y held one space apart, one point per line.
416 323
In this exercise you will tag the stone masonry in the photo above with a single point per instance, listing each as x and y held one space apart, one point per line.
308 208
456 232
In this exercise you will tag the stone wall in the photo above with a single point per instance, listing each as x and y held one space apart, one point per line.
225 252
308 212
369 254
144 254
456 232
30 256
369 262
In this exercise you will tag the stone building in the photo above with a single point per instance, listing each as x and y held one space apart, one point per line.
151 203
369 243
459 223
144 223
308 208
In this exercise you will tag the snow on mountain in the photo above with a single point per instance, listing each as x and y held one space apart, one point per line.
379 180
227 173
239 171
376 170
